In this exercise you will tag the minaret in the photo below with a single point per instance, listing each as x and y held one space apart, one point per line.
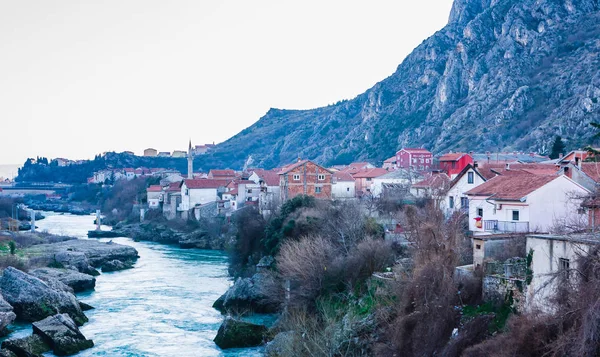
190 158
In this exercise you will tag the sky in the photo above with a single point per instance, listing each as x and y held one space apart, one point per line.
78 78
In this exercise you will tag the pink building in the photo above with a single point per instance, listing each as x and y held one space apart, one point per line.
417 159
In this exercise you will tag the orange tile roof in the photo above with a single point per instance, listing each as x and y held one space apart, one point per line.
154 188
370 173
434 181
341 176
228 173
592 169
452 156
511 187
205 183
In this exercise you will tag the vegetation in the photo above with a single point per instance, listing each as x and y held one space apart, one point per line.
558 148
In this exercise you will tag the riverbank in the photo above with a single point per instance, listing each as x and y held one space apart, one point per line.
41 273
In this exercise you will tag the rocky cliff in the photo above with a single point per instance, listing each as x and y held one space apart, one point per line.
502 75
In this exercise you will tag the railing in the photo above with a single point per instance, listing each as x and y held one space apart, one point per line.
505 226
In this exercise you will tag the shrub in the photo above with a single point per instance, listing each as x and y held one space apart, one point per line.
13 261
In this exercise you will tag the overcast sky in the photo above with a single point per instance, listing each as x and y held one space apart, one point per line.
83 77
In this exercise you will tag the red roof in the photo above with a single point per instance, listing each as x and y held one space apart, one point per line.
290 167
229 173
174 187
342 176
511 187
233 192
452 156
370 173
205 183
154 188
390 160
433 181
592 169
271 178
416 150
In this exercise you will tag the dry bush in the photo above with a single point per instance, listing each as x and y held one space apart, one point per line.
370 256
13 261
311 264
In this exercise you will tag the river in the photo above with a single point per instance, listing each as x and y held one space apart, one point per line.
161 307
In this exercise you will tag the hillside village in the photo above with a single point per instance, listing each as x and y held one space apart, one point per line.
501 195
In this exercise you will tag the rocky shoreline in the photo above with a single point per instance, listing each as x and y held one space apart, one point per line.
44 294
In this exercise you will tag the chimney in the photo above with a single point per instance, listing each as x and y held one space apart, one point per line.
507 166
299 159
560 156
475 164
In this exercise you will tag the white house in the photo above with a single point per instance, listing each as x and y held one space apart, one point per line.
270 191
198 192
553 259
154 196
398 177
342 185
455 198
521 202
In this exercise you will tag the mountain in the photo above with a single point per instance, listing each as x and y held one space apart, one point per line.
501 75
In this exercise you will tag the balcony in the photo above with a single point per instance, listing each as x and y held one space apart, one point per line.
505 226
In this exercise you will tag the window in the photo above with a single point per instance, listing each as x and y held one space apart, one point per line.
426 161
563 267
321 177
369 179
470 177
317 189
296 177
249 190
477 246
480 212
414 161
187 192
451 204
348 189
515 215
464 202
422 160
453 164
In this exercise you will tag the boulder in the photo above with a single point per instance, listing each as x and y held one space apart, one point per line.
7 316
239 334
33 300
281 345
30 346
251 294
75 280
85 307
83 253
61 333
7 353
115 265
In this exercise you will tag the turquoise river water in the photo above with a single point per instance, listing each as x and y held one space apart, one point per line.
161 307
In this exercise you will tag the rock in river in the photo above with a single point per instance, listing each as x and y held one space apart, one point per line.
238 334
33 300
30 346
75 280
254 294
61 333
7 315
115 265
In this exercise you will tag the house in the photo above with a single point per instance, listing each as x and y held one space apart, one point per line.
417 159
454 163
164 154
398 177
343 185
587 174
434 186
179 154
154 196
364 180
390 164
61 162
222 174
455 198
172 200
576 156
521 202
554 260
356 167
305 177
270 192
129 173
199 191
150 152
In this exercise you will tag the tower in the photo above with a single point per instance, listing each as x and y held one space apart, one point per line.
190 158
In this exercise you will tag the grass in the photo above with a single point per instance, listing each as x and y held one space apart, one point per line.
501 313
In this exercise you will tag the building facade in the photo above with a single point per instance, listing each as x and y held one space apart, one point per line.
305 178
